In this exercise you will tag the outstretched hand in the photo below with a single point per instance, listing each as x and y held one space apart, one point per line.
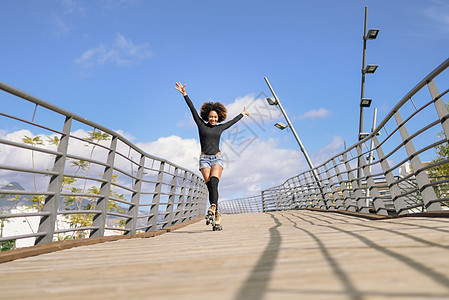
181 88
245 112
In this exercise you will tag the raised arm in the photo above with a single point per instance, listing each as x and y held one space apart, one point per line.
182 89
236 119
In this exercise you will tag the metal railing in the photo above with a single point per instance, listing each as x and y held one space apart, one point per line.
85 180
408 135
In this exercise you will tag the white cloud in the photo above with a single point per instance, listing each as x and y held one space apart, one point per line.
119 4
331 149
71 6
320 113
126 135
260 112
439 13
182 152
261 164
59 24
122 52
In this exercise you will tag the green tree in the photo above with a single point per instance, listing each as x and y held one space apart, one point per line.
441 172
33 142
94 137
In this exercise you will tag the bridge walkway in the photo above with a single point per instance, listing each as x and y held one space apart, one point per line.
297 254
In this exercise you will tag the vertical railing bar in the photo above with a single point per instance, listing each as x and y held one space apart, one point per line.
47 223
99 220
440 106
133 210
352 203
379 206
34 113
330 202
171 200
339 205
181 202
154 211
427 193
398 202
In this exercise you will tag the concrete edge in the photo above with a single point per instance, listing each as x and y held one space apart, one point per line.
370 216
67 244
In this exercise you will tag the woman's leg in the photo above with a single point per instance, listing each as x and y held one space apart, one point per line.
216 171
215 175
206 173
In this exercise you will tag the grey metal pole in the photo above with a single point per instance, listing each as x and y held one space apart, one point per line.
371 155
309 162
362 93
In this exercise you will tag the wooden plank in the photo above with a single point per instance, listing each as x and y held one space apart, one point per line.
277 255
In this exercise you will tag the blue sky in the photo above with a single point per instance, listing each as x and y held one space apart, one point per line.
116 62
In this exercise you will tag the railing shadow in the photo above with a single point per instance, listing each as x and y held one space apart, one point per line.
350 289
256 284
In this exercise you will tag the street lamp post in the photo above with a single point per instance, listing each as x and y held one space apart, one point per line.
370 69
282 126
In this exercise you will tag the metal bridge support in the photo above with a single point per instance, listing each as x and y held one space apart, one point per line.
171 201
442 111
379 206
47 223
100 219
427 192
131 224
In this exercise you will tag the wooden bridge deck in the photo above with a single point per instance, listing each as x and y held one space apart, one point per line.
277 255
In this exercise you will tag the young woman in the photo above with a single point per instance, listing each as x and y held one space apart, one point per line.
211 161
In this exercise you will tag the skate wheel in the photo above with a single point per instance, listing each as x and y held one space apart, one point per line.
207 222
214 228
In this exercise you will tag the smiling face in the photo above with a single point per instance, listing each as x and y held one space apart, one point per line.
213 117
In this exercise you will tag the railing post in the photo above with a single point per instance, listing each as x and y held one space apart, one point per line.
196 207
171 200
323 194
428 194
188 203
47 223
131 224
193 199
330 202
398 202
306 190
179 213
154 211
361 201
440 106
352 205
100 219
343 188
379 206
264 205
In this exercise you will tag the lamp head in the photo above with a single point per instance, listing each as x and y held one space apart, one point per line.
272 101
372 34
281 125
363 135
370 69
365 102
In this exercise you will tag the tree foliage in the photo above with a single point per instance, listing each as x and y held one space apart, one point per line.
78 196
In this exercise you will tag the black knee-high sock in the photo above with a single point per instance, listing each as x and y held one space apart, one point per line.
213 192
210 192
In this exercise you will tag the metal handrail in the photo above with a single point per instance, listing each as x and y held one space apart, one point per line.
61 200
338 174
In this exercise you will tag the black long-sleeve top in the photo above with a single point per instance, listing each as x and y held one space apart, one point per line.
209 134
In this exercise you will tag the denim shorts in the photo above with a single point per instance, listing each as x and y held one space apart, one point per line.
207 161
